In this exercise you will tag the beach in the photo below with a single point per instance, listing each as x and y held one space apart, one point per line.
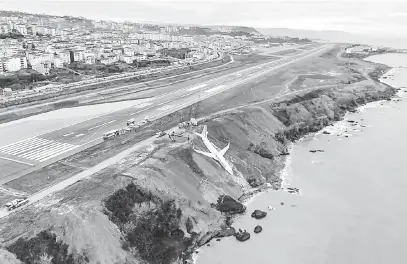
350 207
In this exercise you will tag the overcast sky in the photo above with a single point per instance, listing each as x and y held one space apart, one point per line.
387 17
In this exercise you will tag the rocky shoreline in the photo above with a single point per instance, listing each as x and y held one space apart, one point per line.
295 132
180 200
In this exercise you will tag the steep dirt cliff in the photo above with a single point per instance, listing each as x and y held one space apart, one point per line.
162 202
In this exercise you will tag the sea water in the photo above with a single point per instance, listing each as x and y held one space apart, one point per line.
352 204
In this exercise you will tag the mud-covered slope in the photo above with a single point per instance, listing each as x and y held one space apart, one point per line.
165 199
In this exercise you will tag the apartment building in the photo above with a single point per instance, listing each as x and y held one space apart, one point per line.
9 47
127 59
110 59
90 59
42 67
12 64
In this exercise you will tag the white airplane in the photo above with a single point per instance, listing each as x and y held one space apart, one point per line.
214 153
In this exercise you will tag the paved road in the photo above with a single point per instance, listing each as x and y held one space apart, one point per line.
36 151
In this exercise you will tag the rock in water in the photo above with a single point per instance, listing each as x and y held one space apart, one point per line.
227 204
258 214
242 236
258 229
205 239
225 232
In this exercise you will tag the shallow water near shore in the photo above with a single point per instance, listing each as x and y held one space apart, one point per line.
351 205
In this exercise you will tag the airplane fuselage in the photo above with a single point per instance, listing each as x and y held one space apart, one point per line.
220 158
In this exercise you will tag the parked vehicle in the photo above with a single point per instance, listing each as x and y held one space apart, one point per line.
131 122
160 134
111 134
16 203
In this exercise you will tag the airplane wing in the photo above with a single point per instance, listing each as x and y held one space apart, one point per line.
210 155
223 151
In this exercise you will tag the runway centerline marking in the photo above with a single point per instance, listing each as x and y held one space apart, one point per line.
111 121
142 105
165 108
197 87
215 88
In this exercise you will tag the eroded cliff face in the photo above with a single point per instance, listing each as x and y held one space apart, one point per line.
259 136
171 199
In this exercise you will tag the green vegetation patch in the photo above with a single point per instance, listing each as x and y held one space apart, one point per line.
156 234
45 248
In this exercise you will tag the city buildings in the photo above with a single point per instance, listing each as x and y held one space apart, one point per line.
12 64
55 42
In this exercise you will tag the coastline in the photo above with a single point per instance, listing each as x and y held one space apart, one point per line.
285 171
260 136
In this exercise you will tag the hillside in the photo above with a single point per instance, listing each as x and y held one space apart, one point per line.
247 30
161 202
336 36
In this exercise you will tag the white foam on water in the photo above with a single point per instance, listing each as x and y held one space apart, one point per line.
286 172
377 104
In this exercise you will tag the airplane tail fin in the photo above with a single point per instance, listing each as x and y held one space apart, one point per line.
223 151
204 133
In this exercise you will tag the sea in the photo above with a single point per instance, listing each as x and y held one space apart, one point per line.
352 202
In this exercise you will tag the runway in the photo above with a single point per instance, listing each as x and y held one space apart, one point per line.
27 151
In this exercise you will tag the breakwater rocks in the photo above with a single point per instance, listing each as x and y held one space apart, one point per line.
271 127
242 236
227 204
258 214
258 229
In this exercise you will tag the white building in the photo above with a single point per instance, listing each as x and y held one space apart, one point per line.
78 56
9 49
90 59
42 67
109 59
128 59
13 64
22 29
64 56
58 62
7 92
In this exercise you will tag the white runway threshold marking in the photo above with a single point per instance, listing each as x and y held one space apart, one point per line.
37 149
215 88
198 87
165 107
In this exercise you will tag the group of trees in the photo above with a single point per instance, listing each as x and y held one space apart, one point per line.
13 35
156 235
42 247
175 53
21 79
153 63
